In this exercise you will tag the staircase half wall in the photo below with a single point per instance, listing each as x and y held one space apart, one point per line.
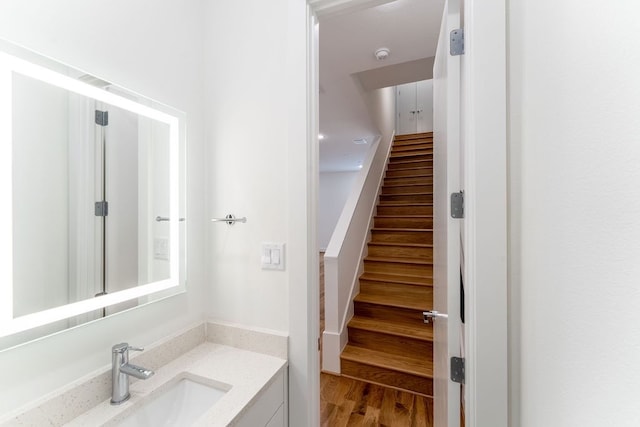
343 257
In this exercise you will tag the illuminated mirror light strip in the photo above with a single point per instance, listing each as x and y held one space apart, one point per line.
9 325
6 190
44 317
65 82
174 200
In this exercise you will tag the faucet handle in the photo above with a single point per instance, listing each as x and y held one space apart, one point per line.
124 347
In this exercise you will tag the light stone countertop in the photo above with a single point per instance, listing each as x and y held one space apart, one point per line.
246 372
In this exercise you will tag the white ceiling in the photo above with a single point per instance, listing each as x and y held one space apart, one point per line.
409 28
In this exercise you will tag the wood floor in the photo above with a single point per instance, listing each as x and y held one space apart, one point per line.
348 402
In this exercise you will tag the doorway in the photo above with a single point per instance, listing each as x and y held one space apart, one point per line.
350 112
484 100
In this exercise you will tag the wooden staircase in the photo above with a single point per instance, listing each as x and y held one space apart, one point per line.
388 342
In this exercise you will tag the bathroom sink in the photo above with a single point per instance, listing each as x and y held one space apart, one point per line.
181 404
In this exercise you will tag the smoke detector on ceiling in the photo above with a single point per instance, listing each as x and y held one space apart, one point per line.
382 53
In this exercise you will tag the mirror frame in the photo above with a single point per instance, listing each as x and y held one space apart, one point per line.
10 64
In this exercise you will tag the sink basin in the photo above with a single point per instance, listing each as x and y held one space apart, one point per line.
181 404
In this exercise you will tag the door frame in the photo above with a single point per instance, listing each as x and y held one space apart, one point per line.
484 104
484 131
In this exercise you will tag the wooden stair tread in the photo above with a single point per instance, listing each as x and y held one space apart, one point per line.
421 332
419 367
404 181
396 161
410 148
399 216
397 278
405 184
426 177
422 169
417 145
398 260
418 230
409 143
418 153
409 136
407 148
418 167
396 204
421 193
403 221
415 148
400 191
408 245
408 300
403 157
405 216
413 135
411 173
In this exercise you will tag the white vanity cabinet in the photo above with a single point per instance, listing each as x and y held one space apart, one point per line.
269 408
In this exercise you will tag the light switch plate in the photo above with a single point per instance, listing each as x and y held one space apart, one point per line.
272 256
161 248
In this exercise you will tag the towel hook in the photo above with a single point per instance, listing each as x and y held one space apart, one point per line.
229 219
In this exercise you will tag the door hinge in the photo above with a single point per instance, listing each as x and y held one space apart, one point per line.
102 118
457 370
456 42
102 208
457 205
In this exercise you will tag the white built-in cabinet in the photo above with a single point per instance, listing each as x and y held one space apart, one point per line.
414 107
270 407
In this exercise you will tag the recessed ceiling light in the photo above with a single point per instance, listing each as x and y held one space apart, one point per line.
359 166
320 136
382 53
360 141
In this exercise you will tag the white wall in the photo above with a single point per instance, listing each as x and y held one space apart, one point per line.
334 190
246 119
381 104
257 166
575 204
154 48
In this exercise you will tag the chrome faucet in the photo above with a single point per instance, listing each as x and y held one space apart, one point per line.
120 371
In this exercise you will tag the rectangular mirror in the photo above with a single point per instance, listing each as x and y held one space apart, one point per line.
90 179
